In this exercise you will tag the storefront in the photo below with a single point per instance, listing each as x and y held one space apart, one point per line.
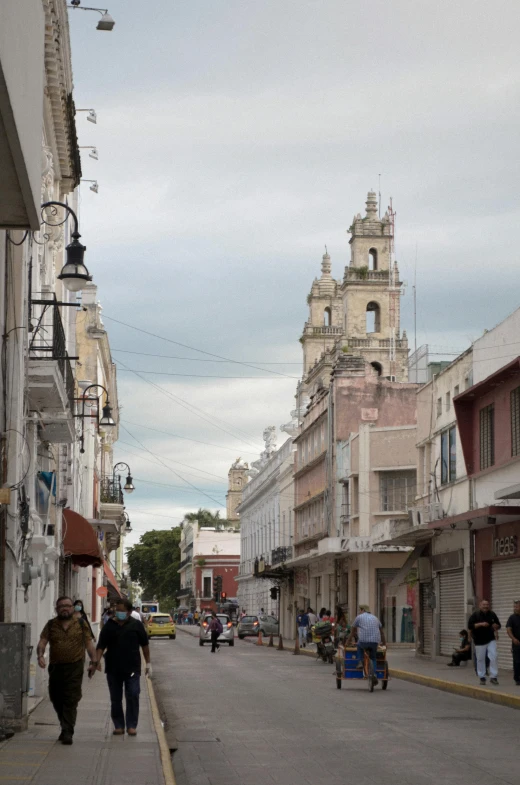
497 568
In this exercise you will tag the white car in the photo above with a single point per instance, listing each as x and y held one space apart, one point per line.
226 636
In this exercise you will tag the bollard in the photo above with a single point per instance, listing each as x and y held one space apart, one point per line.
280 643
259 641
297 646
271 644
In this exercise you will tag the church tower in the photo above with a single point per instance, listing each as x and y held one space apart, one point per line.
237 478
325 323
371 292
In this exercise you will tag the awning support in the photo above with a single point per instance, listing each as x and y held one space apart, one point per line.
398 579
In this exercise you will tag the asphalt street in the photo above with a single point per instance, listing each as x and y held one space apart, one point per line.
254 716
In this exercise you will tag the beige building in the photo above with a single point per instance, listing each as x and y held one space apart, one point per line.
237 479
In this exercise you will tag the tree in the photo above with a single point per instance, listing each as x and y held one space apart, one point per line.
154 562
205 517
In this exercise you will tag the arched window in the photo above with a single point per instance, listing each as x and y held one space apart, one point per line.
378 368
373 318
327 317
372 259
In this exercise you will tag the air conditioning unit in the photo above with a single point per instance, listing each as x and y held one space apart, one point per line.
416 516
433 512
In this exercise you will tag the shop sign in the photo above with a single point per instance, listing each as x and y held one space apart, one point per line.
505 546
453 560
357 544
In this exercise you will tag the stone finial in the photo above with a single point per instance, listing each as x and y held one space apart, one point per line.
372 204
326 265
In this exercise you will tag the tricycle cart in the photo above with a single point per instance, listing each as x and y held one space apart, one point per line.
347 667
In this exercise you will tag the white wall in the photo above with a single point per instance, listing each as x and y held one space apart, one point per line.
497 348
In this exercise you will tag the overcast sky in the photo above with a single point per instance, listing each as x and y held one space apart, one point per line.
235 140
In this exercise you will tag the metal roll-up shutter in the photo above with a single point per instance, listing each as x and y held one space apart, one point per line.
451 610
426 618
505 589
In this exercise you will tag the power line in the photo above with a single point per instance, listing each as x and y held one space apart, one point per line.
171 460
200 375
177 436
154 463
193 348
197 359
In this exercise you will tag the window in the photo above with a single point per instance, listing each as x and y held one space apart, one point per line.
439 407
448 456
327 317
448 401
372 259
515 421
397 490
207 587
373 318
487 436
378 368
455 390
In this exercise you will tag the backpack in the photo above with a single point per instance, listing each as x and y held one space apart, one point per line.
218 626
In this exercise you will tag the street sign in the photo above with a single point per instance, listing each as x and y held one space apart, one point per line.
102 591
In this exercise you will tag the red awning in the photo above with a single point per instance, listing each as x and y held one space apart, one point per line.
80 540
111 577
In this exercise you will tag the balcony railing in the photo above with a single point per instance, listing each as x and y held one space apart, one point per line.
281 554
48 341
186 592
185 561
111 491
324 330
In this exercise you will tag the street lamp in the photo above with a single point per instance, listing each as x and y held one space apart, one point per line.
129 485
91 117
74 273
106 420
94 187
105 23
94 151
128 525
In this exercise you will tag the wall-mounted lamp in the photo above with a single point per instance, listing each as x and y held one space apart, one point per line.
105 23
94 151
74 273
129 485
91 117
94 187
128 525
106 420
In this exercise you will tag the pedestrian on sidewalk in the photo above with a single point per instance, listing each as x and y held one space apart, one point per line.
216 629
311 616
513 630
68 638
122 638
302 620
370 634
483 625
463 653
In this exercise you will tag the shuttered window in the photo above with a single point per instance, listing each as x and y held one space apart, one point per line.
515 421
487 436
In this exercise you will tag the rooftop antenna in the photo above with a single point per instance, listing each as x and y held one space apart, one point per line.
326 250
379 175
415 298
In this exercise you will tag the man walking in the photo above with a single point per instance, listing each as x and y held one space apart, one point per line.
483 624
311 616
370 634
122 638
68 638
513 630
302 620
215 628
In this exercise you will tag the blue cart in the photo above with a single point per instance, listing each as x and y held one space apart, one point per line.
347 667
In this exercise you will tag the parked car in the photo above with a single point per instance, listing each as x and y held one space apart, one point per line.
160 624
252 625
228 631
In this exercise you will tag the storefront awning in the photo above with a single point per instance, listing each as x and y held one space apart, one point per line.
479 519
111 577
401 576
80 540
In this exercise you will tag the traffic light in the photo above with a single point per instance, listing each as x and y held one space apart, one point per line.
223 596
217 583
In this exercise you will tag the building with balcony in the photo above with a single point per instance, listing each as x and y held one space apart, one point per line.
266 532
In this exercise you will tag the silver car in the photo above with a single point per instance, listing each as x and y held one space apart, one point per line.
252 625
228 631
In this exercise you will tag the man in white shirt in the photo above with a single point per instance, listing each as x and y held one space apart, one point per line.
370 634
136 615
312 616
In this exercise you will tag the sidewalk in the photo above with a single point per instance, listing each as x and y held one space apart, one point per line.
96 757
405 665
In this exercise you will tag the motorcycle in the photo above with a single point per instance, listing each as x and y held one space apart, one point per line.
322 632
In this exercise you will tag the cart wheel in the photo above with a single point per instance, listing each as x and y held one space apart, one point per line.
338 683
384 683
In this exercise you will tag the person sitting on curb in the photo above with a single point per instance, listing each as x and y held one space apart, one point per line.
464 652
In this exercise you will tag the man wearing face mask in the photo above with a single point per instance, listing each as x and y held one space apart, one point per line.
68 638
122 637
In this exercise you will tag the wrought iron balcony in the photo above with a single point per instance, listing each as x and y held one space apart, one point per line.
185 561
186 592
111 491
281 554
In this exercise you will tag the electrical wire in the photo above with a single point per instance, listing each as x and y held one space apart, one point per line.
170 460
177 436
200 375
197 359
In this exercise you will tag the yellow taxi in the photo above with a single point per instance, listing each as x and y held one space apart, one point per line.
160 624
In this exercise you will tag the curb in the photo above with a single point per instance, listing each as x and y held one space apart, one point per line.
465 690
166 761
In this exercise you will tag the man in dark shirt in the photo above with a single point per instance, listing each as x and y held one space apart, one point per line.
483 624
123 637
513 630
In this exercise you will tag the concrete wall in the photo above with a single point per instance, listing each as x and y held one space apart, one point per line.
497 347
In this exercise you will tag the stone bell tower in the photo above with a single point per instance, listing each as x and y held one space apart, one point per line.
325 323
237 478
371 292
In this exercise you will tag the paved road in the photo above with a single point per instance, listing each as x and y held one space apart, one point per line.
250 716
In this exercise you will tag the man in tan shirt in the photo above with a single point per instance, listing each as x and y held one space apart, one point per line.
68 638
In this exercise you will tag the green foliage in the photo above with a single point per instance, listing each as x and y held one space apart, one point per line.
154 562
205 517
363 272
344 348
